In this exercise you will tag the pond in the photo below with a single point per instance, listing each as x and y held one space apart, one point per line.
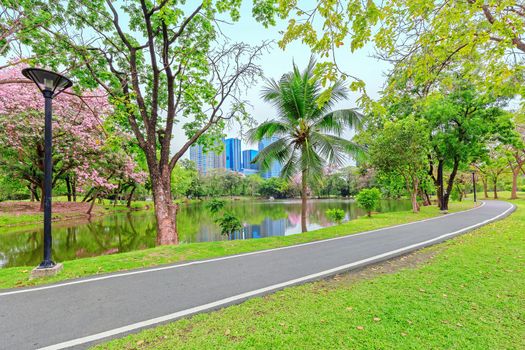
122 232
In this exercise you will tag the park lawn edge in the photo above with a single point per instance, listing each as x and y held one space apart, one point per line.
464 293
15 277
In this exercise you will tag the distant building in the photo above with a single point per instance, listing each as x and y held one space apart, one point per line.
275 168
247 157
233 154
206 161
271 227
249 172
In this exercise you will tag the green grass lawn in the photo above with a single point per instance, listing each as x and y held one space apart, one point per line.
467 293
19 276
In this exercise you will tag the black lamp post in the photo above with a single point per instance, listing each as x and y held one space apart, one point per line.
50 84
474 184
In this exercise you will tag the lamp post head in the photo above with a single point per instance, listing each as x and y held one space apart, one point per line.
49 83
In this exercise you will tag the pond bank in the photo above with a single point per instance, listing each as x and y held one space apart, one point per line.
26 215
19 276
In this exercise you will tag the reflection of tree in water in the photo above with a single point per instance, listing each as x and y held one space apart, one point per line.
111 234
19 249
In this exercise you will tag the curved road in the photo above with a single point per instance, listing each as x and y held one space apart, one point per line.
80 313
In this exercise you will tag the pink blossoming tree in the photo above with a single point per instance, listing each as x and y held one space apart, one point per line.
79 139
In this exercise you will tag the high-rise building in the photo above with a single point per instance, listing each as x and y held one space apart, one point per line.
247 157
275 168
233 154
206 161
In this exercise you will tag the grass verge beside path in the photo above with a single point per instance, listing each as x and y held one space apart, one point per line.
19 276
466 293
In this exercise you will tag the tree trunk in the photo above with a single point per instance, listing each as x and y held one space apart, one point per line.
95 194
450 184
42 198
495 189
165 212
74 188
130 197
515 174
32 193
412 185
485 188
426 197
68 187
303 201
415 206
438 182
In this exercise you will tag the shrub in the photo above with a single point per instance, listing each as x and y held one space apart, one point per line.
368 199
215 205
335 215
229 224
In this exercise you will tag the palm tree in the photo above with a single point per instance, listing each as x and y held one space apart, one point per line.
308 134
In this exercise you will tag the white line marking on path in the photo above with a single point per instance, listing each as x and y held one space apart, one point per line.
156 269
229 300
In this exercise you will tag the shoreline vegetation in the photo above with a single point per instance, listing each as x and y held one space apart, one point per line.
19 276
24 215
465 293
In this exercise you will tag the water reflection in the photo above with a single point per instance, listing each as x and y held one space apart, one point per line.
129 231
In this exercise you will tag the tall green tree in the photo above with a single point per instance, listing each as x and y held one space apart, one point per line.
402 148
463 123
308 134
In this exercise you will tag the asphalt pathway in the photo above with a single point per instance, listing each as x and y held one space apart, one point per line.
80 313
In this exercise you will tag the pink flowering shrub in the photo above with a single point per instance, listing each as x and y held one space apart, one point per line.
79 139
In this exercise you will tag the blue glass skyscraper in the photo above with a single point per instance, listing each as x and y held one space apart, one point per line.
206 161
233 154
275 168
247 157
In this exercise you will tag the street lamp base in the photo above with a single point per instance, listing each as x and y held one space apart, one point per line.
46 264
39 271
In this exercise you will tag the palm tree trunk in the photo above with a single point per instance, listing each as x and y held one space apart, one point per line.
304 199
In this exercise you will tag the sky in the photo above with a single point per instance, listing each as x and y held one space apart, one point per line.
277 62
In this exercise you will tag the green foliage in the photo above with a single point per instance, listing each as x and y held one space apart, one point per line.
368 199
423 39
274 187
215 205
183 179
336 215
12 189
401 150
229 223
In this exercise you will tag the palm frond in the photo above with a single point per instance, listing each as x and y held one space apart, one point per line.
290 167
335 149
279 151
336 121
268 129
